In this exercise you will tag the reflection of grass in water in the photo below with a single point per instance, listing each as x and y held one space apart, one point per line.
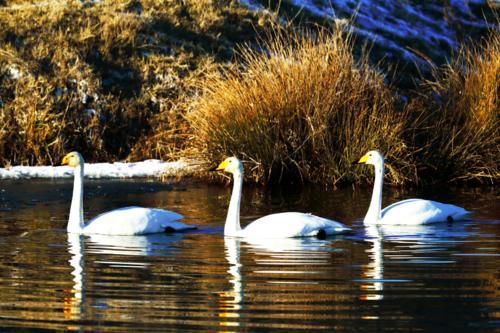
115 80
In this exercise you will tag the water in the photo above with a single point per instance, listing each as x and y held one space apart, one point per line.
441 278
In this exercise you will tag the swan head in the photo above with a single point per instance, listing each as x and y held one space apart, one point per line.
373 157
231 165
73 159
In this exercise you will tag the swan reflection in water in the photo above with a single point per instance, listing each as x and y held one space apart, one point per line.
120 247
73 302
415 239
373 272
280 251
231 301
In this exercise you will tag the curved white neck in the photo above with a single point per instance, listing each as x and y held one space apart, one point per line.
232 226
373 215
75 222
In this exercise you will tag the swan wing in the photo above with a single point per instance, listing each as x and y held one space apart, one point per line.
292 224
135 221
420 211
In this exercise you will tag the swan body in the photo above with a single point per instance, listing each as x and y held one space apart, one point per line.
405 212
280 225
420 211
123 221
134 221
292 224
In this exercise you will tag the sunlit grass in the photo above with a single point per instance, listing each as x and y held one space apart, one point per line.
108 78
303 110
456 133
148 79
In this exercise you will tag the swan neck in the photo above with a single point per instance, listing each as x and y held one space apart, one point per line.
232 226
75 222
374 212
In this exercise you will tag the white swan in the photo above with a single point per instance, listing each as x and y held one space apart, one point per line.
123 221
410 211
281 225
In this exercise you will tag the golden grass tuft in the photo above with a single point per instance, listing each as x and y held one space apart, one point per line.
456 118
304 109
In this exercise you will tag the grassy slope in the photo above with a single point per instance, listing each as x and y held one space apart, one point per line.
116 79
102 78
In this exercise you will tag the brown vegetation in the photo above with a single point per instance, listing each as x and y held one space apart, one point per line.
161 79
304 109
455 127
106 78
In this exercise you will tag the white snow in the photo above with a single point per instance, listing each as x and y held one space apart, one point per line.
399 25
14 72
148 168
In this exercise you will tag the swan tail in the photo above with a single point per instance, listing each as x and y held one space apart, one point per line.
174 226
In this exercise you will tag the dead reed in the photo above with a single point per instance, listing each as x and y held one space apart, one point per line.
160 79
302 110
455 127
104 77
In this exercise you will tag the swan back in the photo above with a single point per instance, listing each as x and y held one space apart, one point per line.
420 211
292 224
134 221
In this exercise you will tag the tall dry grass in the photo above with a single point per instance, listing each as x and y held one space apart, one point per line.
455 119
108 78
302 110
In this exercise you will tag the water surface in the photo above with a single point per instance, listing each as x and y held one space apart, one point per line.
440 278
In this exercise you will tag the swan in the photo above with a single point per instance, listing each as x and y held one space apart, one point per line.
122 221
407 212
281 225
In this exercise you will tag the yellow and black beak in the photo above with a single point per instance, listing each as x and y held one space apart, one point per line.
220 167
65 160
362 160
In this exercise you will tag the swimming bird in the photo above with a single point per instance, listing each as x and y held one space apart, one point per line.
280 225
122 221
406 212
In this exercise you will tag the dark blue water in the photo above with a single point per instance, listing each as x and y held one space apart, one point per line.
440 278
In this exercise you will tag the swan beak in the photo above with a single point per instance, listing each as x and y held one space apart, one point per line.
220 167
362 159
65 160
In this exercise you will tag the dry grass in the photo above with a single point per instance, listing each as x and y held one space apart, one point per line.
108 78
456 118
305 109
144 79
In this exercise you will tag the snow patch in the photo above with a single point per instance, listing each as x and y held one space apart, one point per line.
399 27
14 72
148 168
